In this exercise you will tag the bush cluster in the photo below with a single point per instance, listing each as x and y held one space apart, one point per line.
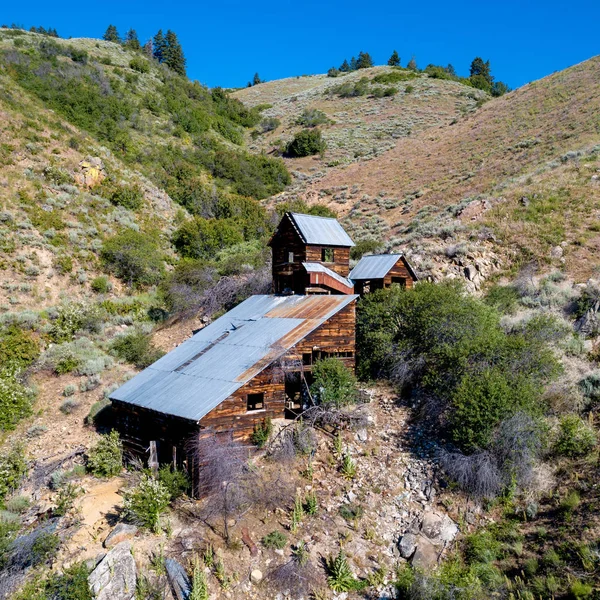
136 348
333 384
450 347
306 143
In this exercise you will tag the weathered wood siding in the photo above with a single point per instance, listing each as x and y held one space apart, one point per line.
399 270
341 258
288 274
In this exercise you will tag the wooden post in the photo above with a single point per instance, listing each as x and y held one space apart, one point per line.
153 460
174 458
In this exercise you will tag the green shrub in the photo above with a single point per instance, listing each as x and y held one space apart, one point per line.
147 502
202 238
333 383
504 298
306 143
44 548
363 247
481 547
451 347
130 197
580 590
16 399
199 585
18 504
139 64
101 285
575 437
483 400
311 117
570 502
175 481
18 347
13 469
351 512
105 459
7 534
80 356
274 540
394 77
136 348
63 264
262 432
133 257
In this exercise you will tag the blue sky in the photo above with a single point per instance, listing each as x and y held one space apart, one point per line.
227 42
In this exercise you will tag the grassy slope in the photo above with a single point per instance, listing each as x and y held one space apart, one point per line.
523 144
156 147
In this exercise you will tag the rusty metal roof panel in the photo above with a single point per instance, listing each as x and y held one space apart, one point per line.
199 374
312 267
375 266
321 231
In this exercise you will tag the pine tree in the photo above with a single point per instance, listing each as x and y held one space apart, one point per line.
256 79
345 67
482 69
394 60
173 54
158 46
412 64
450 70
111 34
364 60
131 40
353 64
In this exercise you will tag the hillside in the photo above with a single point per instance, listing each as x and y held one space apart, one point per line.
135 207
443 172
161 149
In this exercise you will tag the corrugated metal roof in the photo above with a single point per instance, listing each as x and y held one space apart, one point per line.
321 231
375 266
198 375
312 267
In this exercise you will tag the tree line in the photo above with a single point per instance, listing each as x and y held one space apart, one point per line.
480 73
49 31
165 48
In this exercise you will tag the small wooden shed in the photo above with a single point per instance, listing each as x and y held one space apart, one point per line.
379 271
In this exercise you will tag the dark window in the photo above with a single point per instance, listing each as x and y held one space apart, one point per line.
401 281
327 255
307 358
256 401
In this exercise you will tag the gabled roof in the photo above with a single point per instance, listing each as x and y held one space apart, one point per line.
198 375
318 231
377 266
312 267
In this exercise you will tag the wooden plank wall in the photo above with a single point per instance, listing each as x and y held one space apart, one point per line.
341 256
399 270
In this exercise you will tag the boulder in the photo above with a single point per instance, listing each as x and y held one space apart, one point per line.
120 533
115 577
556 252
407 545
439 529
426 555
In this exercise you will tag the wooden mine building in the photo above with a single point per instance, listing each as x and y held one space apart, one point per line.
255 361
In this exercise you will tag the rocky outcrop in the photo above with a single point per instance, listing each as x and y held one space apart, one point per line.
120 533
91 172
115 577
424 542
